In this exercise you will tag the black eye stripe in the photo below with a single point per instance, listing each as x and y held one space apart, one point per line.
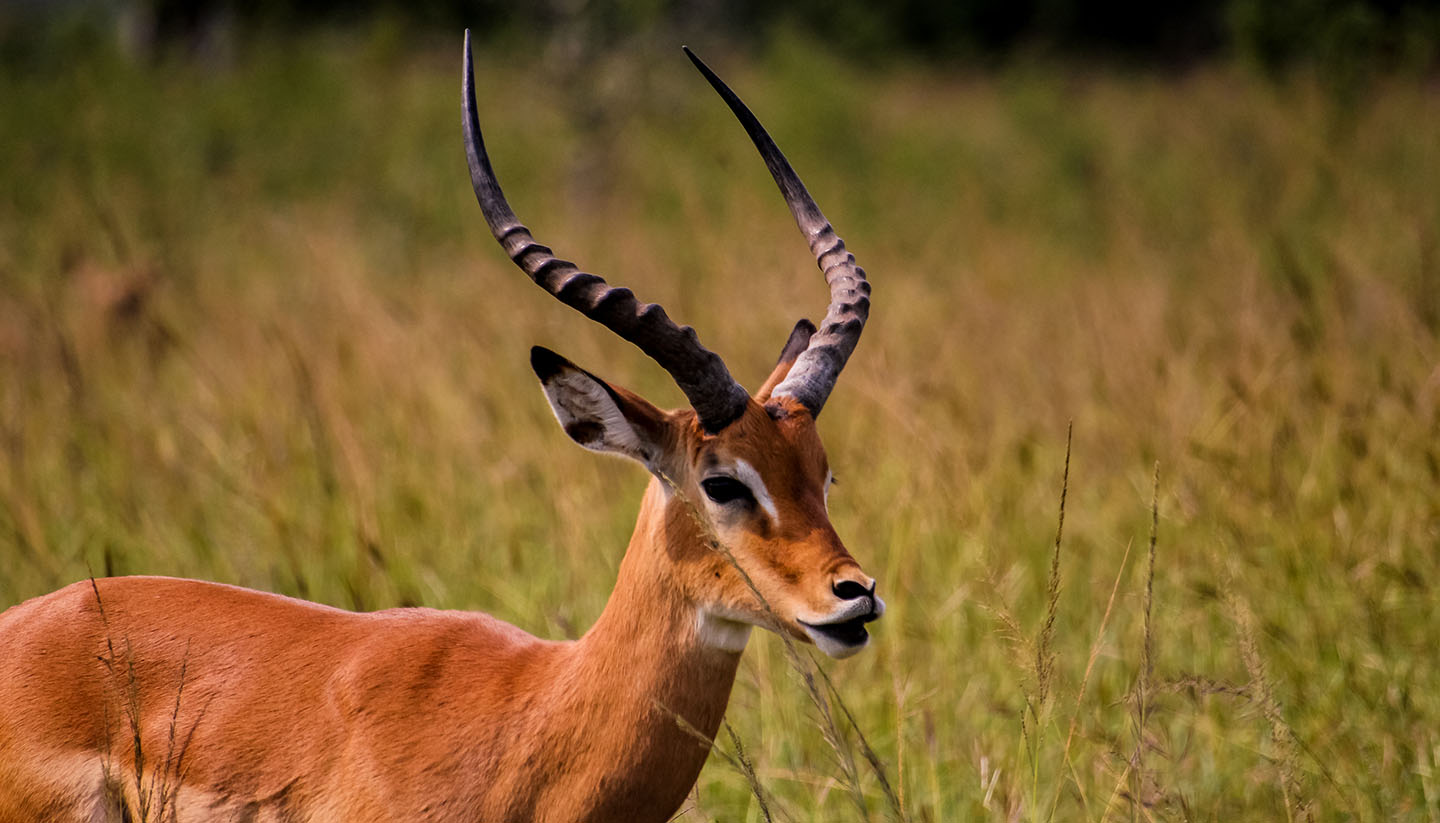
724 490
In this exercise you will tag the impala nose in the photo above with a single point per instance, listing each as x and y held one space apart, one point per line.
852 590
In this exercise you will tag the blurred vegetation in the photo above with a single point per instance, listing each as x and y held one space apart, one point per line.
1342 36
252 330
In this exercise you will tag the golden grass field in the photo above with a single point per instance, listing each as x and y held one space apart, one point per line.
253 329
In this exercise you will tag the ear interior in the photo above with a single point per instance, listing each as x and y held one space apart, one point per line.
795 345
595 414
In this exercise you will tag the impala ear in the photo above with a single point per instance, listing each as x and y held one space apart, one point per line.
599 416
797 343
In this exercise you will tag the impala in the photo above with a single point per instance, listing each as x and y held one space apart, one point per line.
177 699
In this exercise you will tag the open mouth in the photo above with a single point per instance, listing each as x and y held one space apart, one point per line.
846 632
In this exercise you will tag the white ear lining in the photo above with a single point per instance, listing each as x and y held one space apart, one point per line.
590 415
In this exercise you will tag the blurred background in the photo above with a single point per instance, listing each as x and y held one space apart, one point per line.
1275 35
253 329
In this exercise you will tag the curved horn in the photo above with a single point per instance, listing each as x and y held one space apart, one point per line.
813 375
717 399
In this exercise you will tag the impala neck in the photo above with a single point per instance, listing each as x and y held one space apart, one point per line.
646 662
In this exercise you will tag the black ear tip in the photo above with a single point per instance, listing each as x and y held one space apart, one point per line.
798 341
546 363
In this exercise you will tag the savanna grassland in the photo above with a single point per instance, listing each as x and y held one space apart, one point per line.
253 329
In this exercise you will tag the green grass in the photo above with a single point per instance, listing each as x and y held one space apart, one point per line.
252 329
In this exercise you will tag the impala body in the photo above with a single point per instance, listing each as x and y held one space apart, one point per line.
163 699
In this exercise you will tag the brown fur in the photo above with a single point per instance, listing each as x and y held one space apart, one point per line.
253 706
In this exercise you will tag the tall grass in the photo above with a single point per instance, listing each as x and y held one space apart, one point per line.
252 330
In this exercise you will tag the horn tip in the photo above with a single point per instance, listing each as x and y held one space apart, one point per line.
695 58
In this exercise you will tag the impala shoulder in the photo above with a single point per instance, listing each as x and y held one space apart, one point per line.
412 650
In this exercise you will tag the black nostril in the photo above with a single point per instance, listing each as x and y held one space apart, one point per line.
849 590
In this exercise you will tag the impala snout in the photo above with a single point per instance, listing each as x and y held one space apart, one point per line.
841 632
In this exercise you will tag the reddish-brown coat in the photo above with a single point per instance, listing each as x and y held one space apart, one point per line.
256 706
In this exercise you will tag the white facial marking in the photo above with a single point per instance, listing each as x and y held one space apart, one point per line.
721 633
829 481
745 473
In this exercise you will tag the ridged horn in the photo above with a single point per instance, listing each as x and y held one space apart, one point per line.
815 371
717 398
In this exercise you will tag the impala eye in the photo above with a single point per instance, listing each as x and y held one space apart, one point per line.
724 490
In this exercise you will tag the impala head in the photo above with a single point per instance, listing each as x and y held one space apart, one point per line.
750 468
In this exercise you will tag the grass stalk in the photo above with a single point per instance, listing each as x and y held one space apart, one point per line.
1147 653
1085 682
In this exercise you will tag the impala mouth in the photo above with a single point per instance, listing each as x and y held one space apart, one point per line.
846 634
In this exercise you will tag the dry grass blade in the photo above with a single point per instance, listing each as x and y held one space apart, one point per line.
1297 805
1204 686
1035 716
739 761
894 804
1134 774
165 782
155 801
1147 650
748 769
1261 691
1044 650
1085 680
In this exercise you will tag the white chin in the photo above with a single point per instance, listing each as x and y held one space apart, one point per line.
834 648
722 633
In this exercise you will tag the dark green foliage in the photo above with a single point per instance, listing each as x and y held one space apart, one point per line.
1343 37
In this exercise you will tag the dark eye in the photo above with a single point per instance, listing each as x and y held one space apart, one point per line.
726 490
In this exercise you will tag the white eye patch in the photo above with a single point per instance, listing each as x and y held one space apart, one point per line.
745 473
